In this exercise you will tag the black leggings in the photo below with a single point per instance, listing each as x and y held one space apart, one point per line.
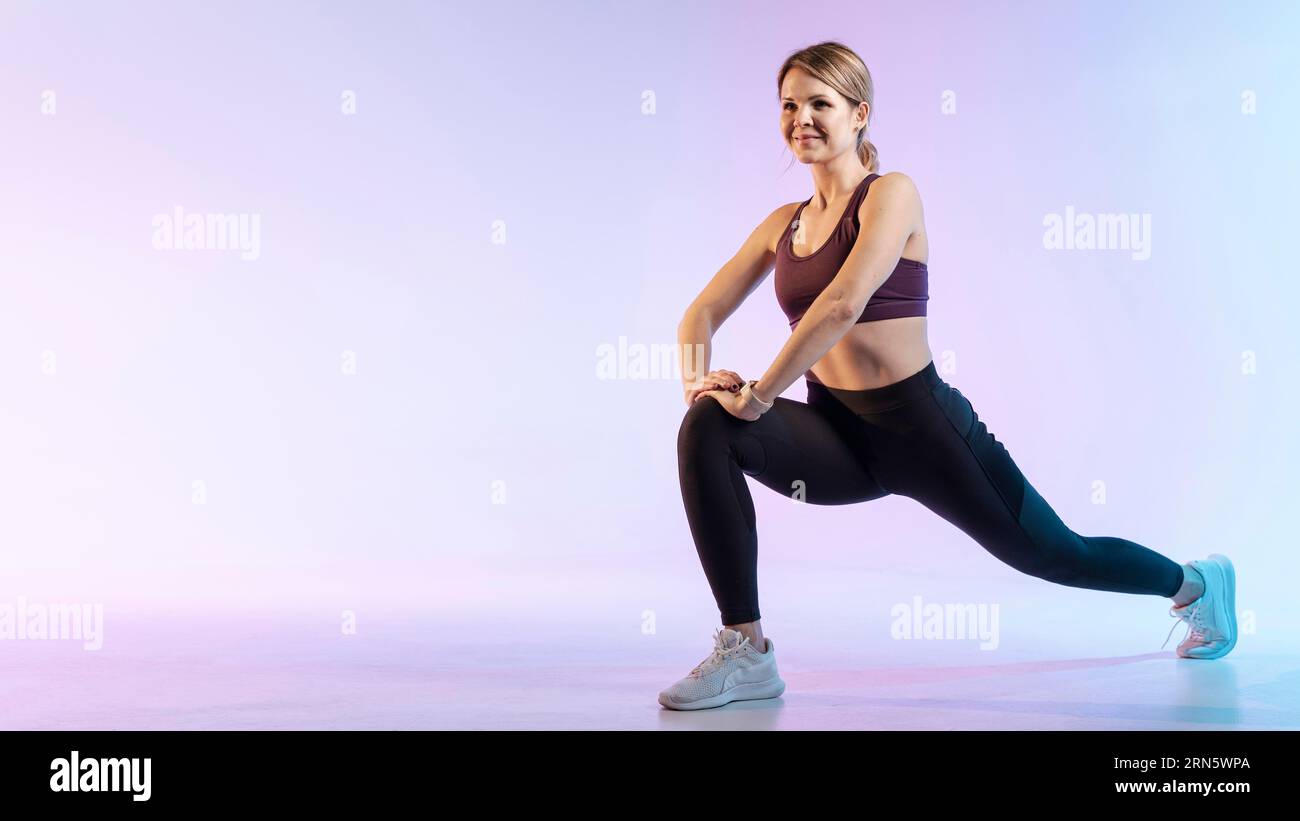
919 438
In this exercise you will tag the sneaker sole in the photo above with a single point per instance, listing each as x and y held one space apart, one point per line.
1228 602
741 692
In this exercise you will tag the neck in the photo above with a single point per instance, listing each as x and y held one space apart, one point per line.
831 184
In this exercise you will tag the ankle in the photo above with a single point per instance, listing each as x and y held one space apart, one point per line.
752 632
1193 586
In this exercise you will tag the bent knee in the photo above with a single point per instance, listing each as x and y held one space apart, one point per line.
703 419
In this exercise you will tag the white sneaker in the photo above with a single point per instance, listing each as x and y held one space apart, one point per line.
735 671
1211 619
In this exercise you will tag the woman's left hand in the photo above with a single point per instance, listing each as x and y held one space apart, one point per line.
734 404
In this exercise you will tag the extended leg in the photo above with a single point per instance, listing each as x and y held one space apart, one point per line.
969 479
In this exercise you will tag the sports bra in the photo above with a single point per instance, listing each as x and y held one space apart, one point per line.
799 280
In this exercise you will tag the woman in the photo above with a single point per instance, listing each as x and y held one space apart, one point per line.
852 277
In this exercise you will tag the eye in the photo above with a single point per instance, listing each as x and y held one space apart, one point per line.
818 103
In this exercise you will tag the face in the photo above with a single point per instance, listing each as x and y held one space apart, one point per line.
817 122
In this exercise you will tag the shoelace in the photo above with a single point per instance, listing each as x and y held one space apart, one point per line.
719 655
1198 630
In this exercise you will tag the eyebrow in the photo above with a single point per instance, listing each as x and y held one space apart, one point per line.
813 97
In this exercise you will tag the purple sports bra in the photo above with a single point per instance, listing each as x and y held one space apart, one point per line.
799 280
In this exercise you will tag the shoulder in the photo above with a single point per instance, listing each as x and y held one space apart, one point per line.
894 185
891 191
774 225
785 213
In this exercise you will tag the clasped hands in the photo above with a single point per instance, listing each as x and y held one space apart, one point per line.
724 386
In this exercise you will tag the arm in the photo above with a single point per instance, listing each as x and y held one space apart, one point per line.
695 346
888 215
733 283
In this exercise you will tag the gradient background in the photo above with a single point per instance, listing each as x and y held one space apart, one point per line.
476 359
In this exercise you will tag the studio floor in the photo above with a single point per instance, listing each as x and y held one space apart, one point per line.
278 673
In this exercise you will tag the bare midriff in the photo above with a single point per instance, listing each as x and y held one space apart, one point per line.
874 354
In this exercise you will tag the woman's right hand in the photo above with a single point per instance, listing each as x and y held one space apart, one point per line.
714 380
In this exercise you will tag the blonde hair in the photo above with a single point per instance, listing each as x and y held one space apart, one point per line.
839 67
